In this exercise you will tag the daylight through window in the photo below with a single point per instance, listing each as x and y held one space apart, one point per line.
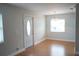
57 25
1 29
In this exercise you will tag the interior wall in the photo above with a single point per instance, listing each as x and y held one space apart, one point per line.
77 29
39 28
13 29
70 24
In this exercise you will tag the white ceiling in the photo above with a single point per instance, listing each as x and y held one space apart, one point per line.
47 8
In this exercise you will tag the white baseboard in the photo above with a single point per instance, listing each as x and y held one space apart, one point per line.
61 39
13 54
39 41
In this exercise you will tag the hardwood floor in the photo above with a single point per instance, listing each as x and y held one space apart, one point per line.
50 48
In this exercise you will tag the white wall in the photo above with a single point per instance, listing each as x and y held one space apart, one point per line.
13 28
70 23
39 28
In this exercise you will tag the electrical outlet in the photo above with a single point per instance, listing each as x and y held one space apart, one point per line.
17 49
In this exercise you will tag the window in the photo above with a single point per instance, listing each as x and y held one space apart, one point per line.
1 30
57 25
28 27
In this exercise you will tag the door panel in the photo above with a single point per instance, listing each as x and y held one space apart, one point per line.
28 37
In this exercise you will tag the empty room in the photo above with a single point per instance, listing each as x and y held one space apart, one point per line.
39 29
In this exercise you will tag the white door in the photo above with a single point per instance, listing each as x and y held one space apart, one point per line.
28 36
